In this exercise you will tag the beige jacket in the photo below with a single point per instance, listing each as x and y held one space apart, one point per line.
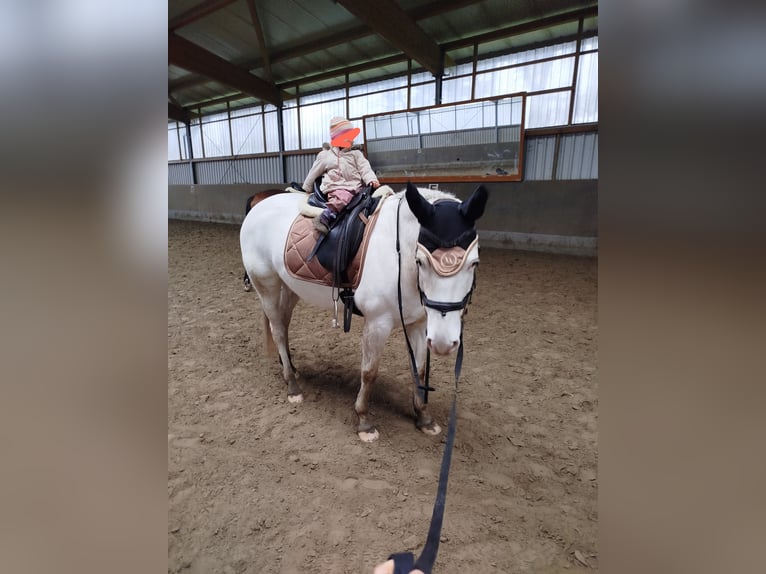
341 169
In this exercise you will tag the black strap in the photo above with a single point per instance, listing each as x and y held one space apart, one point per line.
425 387
404 562
425 561
317 245
444 307
413 365
347 296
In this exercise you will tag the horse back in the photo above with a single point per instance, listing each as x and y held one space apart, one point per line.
256 198
264 229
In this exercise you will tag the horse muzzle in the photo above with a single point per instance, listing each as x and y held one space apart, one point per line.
443 331
442 347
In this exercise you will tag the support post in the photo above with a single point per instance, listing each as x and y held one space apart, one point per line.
191 154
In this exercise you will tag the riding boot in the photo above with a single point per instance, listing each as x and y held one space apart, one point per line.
324 221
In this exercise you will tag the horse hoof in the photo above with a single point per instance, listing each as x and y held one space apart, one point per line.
295 398
368 436
433 429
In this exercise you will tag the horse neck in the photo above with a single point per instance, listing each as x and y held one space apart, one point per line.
407 235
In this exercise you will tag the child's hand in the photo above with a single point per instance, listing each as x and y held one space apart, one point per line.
375 183
387 567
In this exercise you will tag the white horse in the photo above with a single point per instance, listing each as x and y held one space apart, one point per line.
419 270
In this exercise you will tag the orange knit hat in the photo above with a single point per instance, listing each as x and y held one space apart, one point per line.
342 133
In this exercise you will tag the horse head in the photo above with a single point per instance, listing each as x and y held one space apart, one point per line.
447 256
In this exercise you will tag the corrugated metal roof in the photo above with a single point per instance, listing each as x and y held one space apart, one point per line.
313 44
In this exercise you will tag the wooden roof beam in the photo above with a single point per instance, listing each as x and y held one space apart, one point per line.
261 40
196 12
189 56
178 113
389 21
347 70
530 26
357 32
422 13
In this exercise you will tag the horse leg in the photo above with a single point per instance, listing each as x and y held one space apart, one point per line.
416 332
278 303
374 336
248 206
287 302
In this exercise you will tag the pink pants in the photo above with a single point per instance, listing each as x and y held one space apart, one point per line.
339 198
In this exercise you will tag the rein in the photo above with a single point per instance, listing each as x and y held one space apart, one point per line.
425 561
413 364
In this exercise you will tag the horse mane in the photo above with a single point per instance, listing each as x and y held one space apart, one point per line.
432 195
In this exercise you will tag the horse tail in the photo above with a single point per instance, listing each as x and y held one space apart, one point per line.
256 198
249 204
268 344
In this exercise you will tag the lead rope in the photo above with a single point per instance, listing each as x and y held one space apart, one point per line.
425 561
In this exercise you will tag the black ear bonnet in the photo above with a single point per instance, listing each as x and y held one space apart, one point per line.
446 223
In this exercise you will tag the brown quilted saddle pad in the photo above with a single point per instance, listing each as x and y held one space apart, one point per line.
300 242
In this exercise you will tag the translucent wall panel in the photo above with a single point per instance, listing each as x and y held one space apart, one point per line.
196 137
508 112
174 152
528 78
378 103
586 93
457 90
419 77
184 143
247 135
243 133
290 118
423 95
589 44
392 83
217 142
526 56
315 122
323 97
272 131
547 110
215 117
459 70
491 83
253 110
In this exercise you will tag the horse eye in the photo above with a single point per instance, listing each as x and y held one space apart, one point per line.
475 264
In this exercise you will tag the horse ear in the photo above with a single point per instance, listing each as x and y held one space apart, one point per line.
418 204
473 207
